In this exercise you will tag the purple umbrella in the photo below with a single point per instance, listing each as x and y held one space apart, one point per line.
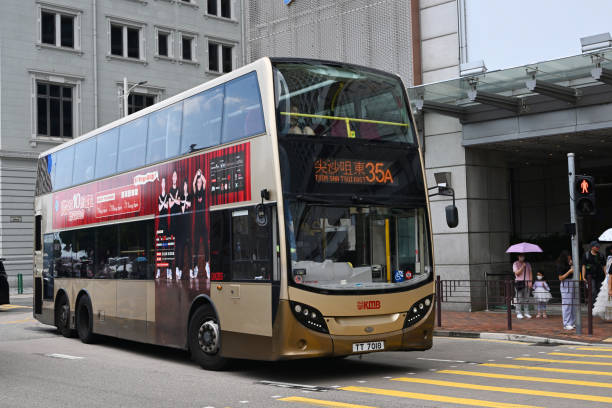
523 247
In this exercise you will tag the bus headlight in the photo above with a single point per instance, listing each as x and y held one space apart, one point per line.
309 317
418 311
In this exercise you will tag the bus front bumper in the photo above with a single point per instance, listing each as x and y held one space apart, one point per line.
297 341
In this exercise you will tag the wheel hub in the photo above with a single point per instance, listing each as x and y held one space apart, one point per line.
63 315
208 337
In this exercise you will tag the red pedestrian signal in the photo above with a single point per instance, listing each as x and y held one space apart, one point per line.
585 187
585 195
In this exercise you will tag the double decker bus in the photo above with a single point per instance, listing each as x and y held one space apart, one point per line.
279 211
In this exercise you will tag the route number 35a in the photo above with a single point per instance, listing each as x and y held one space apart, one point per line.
376 173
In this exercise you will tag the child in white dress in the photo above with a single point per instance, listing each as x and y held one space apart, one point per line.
541 293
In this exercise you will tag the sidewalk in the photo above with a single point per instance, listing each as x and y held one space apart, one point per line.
465 323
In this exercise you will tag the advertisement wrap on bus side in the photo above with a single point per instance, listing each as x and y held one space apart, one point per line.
179 194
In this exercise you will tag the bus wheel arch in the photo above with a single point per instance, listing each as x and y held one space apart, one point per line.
204 340
84 318
62 314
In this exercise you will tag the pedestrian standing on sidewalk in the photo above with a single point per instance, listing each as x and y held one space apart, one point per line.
603 303
565 270
522 284
541 293
592 268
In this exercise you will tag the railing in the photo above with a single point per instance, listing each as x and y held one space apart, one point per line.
502 293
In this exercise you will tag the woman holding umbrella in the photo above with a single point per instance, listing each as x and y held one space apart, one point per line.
522 277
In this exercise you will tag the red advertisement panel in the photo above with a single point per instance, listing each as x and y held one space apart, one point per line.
179 194
226 179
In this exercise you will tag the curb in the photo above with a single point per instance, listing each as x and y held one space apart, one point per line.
509 337
23 296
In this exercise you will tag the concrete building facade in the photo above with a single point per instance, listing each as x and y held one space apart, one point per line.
507 164
62 65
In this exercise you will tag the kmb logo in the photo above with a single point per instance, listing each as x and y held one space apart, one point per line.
368 304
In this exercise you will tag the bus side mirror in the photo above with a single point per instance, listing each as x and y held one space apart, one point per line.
452 216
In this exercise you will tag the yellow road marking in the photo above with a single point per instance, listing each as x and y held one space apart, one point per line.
554 370
593 349
544 360
511 390
435 397
525 378
323 403
29 319
580 355
9 307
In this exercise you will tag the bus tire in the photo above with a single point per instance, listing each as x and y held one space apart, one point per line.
84 320
205 341
62 317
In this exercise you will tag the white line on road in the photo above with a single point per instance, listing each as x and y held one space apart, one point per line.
64 356
439 359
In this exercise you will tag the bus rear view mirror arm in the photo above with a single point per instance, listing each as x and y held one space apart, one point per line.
452 215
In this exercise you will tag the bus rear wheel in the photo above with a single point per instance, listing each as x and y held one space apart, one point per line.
62 317
84 320
205 339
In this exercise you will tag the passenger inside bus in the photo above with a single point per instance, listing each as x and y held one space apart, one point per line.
297 125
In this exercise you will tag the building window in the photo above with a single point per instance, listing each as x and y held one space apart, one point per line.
54 109
126 41
220 57
188 47
220 8
59 27
138 101
163 44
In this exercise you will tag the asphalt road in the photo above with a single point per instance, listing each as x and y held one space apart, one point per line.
39 368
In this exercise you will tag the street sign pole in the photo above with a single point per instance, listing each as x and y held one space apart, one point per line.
575 254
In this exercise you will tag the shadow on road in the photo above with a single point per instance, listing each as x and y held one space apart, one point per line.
316 371
307 371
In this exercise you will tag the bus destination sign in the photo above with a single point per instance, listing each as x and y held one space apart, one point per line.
348 171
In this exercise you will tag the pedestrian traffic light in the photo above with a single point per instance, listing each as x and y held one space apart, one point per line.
585 195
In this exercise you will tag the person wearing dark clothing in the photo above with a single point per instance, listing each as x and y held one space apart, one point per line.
174 204
592 268
183 235
200 230
565 271
162 208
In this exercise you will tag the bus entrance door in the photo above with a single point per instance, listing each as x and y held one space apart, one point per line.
244 298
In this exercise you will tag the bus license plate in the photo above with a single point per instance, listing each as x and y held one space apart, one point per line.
369 346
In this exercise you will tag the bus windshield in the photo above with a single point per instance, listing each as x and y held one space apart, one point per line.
352 248
316 99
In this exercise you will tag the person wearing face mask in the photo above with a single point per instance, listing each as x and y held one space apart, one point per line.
541 293
592 268
522 284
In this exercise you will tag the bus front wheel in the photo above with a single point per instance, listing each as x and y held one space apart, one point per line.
62 317
84 320
205 339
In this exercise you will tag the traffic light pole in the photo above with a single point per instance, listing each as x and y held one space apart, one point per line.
575 253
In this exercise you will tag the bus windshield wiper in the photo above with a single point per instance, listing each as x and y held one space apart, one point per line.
311 199
367 200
